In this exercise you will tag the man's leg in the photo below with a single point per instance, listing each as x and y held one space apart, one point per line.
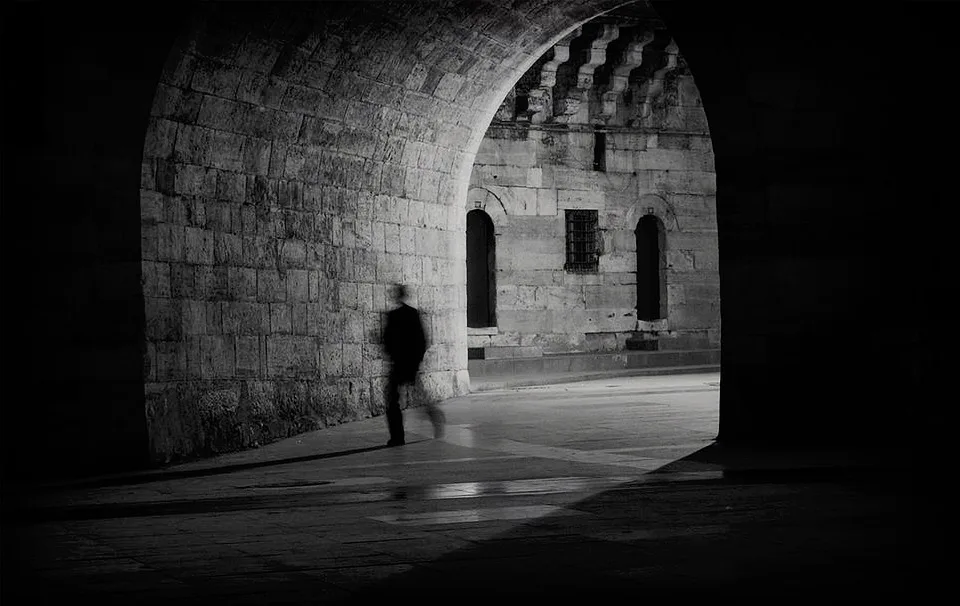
394 414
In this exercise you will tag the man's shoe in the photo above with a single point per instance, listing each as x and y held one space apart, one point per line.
396 443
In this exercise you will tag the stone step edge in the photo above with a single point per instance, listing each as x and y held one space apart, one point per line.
506 367
502 382
625 352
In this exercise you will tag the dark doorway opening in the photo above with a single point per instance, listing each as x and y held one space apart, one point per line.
481 271
651 269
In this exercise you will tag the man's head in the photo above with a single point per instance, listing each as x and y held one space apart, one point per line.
400 293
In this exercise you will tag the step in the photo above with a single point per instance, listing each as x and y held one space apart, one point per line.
494 382
592 362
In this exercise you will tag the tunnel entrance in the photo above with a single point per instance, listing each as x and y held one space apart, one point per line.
651 267
481 270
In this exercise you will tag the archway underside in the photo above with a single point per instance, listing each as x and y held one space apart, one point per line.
264 192
301 158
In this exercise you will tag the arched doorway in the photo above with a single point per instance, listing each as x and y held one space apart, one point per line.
651 266
481 271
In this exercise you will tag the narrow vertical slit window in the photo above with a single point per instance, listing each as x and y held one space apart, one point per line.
600 151
582 250
520 105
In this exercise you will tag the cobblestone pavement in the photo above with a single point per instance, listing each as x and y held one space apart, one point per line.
564 492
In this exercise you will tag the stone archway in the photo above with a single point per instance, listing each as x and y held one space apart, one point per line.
794 140
298 176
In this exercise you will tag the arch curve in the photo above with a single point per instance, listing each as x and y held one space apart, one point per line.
308 155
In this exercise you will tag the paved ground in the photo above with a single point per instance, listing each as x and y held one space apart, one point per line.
570 492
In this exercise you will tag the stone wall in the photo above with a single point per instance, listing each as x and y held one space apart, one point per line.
300 158
527 175
805 198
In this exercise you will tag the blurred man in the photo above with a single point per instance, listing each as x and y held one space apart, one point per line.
405 342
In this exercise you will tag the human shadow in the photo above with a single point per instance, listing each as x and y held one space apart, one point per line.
165 474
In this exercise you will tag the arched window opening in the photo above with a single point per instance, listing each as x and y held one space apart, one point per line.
481 271
651 269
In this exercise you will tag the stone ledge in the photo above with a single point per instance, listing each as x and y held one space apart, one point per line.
589 362
512 352
491 330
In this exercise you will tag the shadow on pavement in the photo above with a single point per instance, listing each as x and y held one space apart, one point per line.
819 532
164 475
755 535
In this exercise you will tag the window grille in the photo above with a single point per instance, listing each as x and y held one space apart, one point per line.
582 252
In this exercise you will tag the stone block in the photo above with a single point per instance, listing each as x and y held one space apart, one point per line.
194 317
352 359
298 286
271 286
547 202
348 295
193 180
678 181
707 260
365 296
214 322
170 359
226 151
193 146
155 279
248 356
246 318
163 319
498 353
564 297
183 281
412 269
221 216
391 237
621 161
389 268
524 321
700 314
151 207
505 338
617 264
702 223
331 360
217 356
429 189
563 178
531 261
622 241
160 138
255 156
176 103
365 267
198 247
227 248
292 356
680 260
194 357
260 251
578 199
281 319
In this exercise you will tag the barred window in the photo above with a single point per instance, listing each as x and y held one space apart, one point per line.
582 250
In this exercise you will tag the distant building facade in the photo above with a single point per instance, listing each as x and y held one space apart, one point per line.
591 215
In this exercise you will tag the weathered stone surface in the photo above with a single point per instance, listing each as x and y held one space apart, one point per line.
597 311
275 219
